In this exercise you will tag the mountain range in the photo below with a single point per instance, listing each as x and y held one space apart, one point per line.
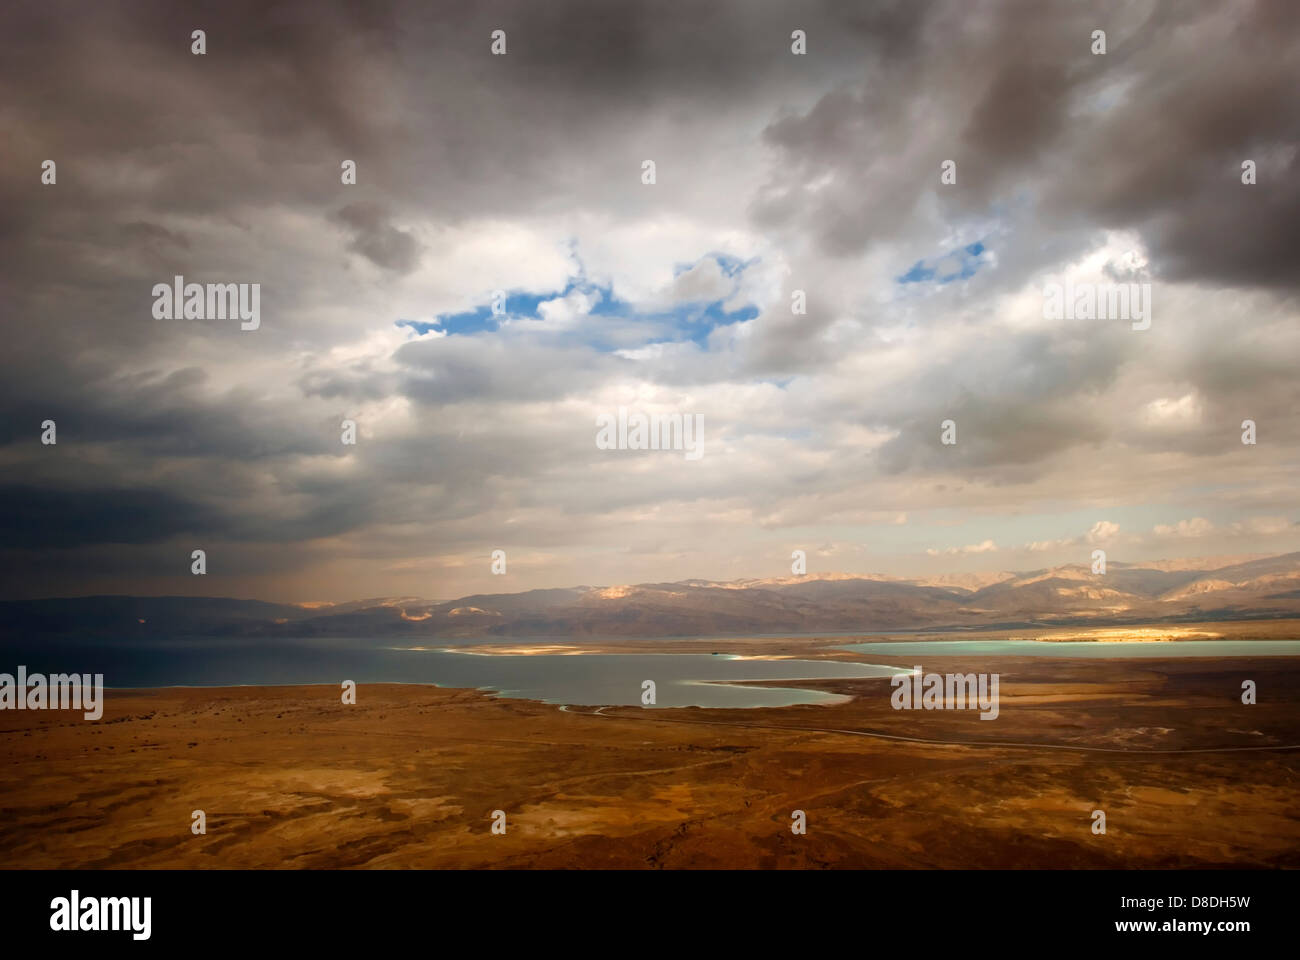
1163 591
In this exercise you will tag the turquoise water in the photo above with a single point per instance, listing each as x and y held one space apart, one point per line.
1080 648
589 679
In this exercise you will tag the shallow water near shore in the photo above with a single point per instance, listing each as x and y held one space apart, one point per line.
589 679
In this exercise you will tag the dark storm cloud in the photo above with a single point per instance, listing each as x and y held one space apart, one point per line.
1217 88
405 89
1151 141
376 239
31 517
152 415
1015 405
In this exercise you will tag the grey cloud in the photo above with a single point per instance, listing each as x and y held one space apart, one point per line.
376 239
465 369
32 517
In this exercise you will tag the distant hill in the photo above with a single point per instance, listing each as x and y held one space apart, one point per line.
1209 589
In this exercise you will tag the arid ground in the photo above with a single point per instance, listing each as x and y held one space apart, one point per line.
1186 774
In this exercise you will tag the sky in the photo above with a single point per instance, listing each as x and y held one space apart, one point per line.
501 275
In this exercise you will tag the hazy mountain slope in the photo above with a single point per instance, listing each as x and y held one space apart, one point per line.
1127 593
145 617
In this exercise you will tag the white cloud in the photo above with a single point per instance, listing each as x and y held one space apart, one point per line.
984 546
1168 412
565 311
1263 526
1040 546
1195 527
1101 531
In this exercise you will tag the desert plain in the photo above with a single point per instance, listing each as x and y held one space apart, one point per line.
410 776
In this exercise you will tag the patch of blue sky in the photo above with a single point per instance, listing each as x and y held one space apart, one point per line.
692 322
960 264
696 321
687 321
730 266
519 303
610 305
